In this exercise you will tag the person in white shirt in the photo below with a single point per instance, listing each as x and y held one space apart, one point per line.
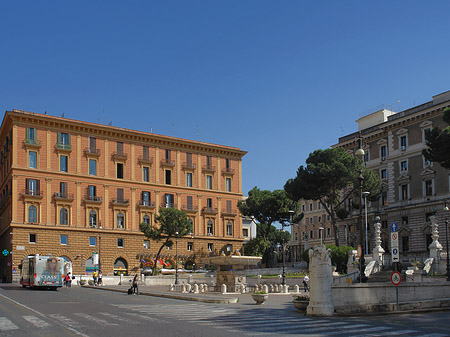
306 283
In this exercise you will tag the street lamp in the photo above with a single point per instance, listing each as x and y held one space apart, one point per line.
446 239
291 213
176 257
365 212
360 153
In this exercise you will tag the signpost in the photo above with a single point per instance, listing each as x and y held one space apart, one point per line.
359 251
394 243
396 278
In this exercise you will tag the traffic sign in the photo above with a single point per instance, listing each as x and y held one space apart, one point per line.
394 227
359 251
396 278
394 247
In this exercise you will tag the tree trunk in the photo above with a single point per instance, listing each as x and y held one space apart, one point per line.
157 257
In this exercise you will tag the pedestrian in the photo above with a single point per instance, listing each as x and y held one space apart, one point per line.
135 284
100 278
94 275
306 283
68 280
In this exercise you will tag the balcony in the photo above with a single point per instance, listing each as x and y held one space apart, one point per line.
209 210
145 204
188 166
189 208
167 162
33 194
93 199
119 156
229 212
63 196
209 168
168 205
120 202
32 143
228 170
64 147
92 152
145 160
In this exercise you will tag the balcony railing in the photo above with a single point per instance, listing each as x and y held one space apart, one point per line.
145 160
188 166
168 205
33 193
209 210
32 142
93 198
209 168
146 203
64 147
92 152
229 212
120 201
189 208
64 196
119 156
228 170
167 162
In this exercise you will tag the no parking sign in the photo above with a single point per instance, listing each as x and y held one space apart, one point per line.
394 243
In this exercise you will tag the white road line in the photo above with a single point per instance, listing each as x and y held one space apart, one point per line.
67 321
6 324
147 318
118 318
434 335
94 319
37 322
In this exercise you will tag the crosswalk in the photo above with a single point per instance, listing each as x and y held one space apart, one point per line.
228 319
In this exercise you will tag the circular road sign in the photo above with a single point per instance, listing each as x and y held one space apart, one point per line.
396 278
359 251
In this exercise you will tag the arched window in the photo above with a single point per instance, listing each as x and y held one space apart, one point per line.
63 216
209 227
146 219
93 218
229 228
32 214
120 220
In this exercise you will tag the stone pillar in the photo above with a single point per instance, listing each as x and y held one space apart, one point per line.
321 280
378 251
435 247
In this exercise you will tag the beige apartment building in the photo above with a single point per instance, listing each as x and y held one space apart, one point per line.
71 188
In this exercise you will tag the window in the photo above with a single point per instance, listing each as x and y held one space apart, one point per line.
209 203
92 241
428 187
168 176
119 170
311 234
366 156
32 214
120 147
63 189
92 144
63 239
120 243
328 232
319 204
404 220
63 138
320 219
229 248
189 179
120 220
145 152
229 228
383 152
405 243
146 244
167 156
384 198
31 135
32 186
426 162
383 174
93 218
210 247
404 192
92 167
92 190
63 161
146 219
189 246
311 207
403 143
209 182
228 184
189 202
119 193
32 238
403 166
209 162
245 232
311 220
145 174
63 216
428 217
209 227
169 200
227 163
303 208
145 198
33 159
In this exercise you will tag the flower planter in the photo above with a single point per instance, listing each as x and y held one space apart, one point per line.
260 298
301 305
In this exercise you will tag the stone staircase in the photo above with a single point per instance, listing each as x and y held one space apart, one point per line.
384 276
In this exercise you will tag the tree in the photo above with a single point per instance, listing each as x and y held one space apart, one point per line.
331 177
267 208
171 223
438 142
339 257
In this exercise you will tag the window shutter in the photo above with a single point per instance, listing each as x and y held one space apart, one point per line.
120 194
28 133
58 141
38 185
27 184
68 139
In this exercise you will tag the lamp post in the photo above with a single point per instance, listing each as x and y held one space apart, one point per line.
365 212
176 257
291 213
446 209
360 153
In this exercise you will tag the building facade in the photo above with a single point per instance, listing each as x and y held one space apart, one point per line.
72 189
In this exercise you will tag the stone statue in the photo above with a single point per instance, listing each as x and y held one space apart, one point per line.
321 280
435 247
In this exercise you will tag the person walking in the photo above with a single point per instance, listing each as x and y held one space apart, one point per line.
100 278
135 284
94 275
68 280
306 283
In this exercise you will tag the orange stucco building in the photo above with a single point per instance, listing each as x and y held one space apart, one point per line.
71 188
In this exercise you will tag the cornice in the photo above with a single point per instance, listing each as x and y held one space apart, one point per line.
111 132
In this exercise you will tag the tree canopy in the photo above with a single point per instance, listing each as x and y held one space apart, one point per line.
438 142
170 223
331 176
267 207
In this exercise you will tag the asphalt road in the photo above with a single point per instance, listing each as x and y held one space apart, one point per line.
91 312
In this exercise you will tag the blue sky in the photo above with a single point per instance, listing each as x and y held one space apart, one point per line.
278 79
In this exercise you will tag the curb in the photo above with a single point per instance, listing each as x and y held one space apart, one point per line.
222 300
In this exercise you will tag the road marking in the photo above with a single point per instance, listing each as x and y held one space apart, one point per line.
67 321
118 318
147 318
37 322
6 324
94 319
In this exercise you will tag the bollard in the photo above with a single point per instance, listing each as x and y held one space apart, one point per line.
188 288
266 288
171 287
296 288
196 289
223 288
183 288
